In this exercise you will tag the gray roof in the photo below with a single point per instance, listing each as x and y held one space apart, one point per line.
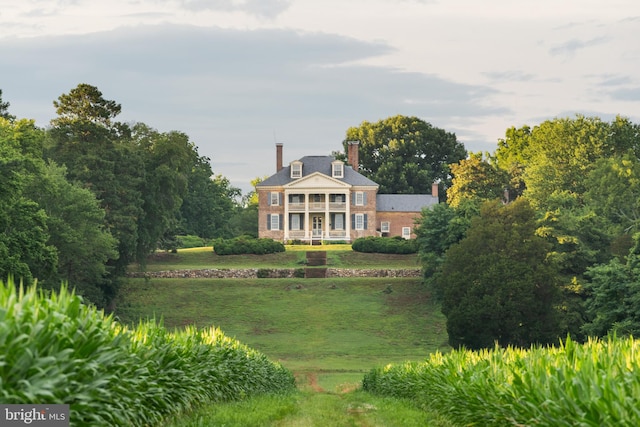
312 164
404 202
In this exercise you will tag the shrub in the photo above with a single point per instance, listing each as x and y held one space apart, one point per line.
58 350
385 245
190 241
246 245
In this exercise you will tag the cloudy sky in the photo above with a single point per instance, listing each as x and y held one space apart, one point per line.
239 75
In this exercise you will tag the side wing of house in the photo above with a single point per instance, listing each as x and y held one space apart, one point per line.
397 213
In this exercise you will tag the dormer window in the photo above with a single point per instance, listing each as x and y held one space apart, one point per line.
296 169
337 169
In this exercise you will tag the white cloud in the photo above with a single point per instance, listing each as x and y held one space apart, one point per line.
230 73
264 8
228 88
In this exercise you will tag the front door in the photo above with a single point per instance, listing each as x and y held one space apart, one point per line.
316 222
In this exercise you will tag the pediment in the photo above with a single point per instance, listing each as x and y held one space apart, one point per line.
317 180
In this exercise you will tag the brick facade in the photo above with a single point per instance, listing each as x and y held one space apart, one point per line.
318 198
397 220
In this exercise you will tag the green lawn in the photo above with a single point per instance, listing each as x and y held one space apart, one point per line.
338 256
329 332
325 326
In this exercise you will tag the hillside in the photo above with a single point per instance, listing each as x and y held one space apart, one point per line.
330 330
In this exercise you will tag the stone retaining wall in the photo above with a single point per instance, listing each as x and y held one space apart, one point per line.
372 272
282 273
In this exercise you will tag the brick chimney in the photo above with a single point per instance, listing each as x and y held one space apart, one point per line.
352 154
278 157
434 189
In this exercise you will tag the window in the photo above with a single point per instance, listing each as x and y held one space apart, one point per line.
337 169
338 222
275 199
275 222
406 232
296 169
384 226
359 221
359 198
337 198
295 221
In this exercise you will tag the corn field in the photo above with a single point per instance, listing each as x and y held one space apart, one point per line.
591 384
55 349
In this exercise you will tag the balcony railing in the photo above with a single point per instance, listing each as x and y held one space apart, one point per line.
318 207
318 234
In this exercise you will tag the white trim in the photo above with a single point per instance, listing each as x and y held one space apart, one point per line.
296 169
337 169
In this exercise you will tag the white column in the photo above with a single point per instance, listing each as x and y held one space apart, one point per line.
307 220
285 218
347 216
326 215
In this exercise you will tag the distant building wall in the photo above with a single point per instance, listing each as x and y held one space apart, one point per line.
397 220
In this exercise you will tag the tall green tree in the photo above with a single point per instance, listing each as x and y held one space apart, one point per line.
613 303
25 252
98 153
476 177
438 229
405 155
496 283
614 191
558 155
208 206
77 230
4 109
167 161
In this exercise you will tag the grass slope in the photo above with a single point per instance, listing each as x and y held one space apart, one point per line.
319 325
329 332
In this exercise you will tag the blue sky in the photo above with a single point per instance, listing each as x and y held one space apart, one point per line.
239 75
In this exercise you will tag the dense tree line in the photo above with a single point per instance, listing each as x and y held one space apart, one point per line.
84 198
537 239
